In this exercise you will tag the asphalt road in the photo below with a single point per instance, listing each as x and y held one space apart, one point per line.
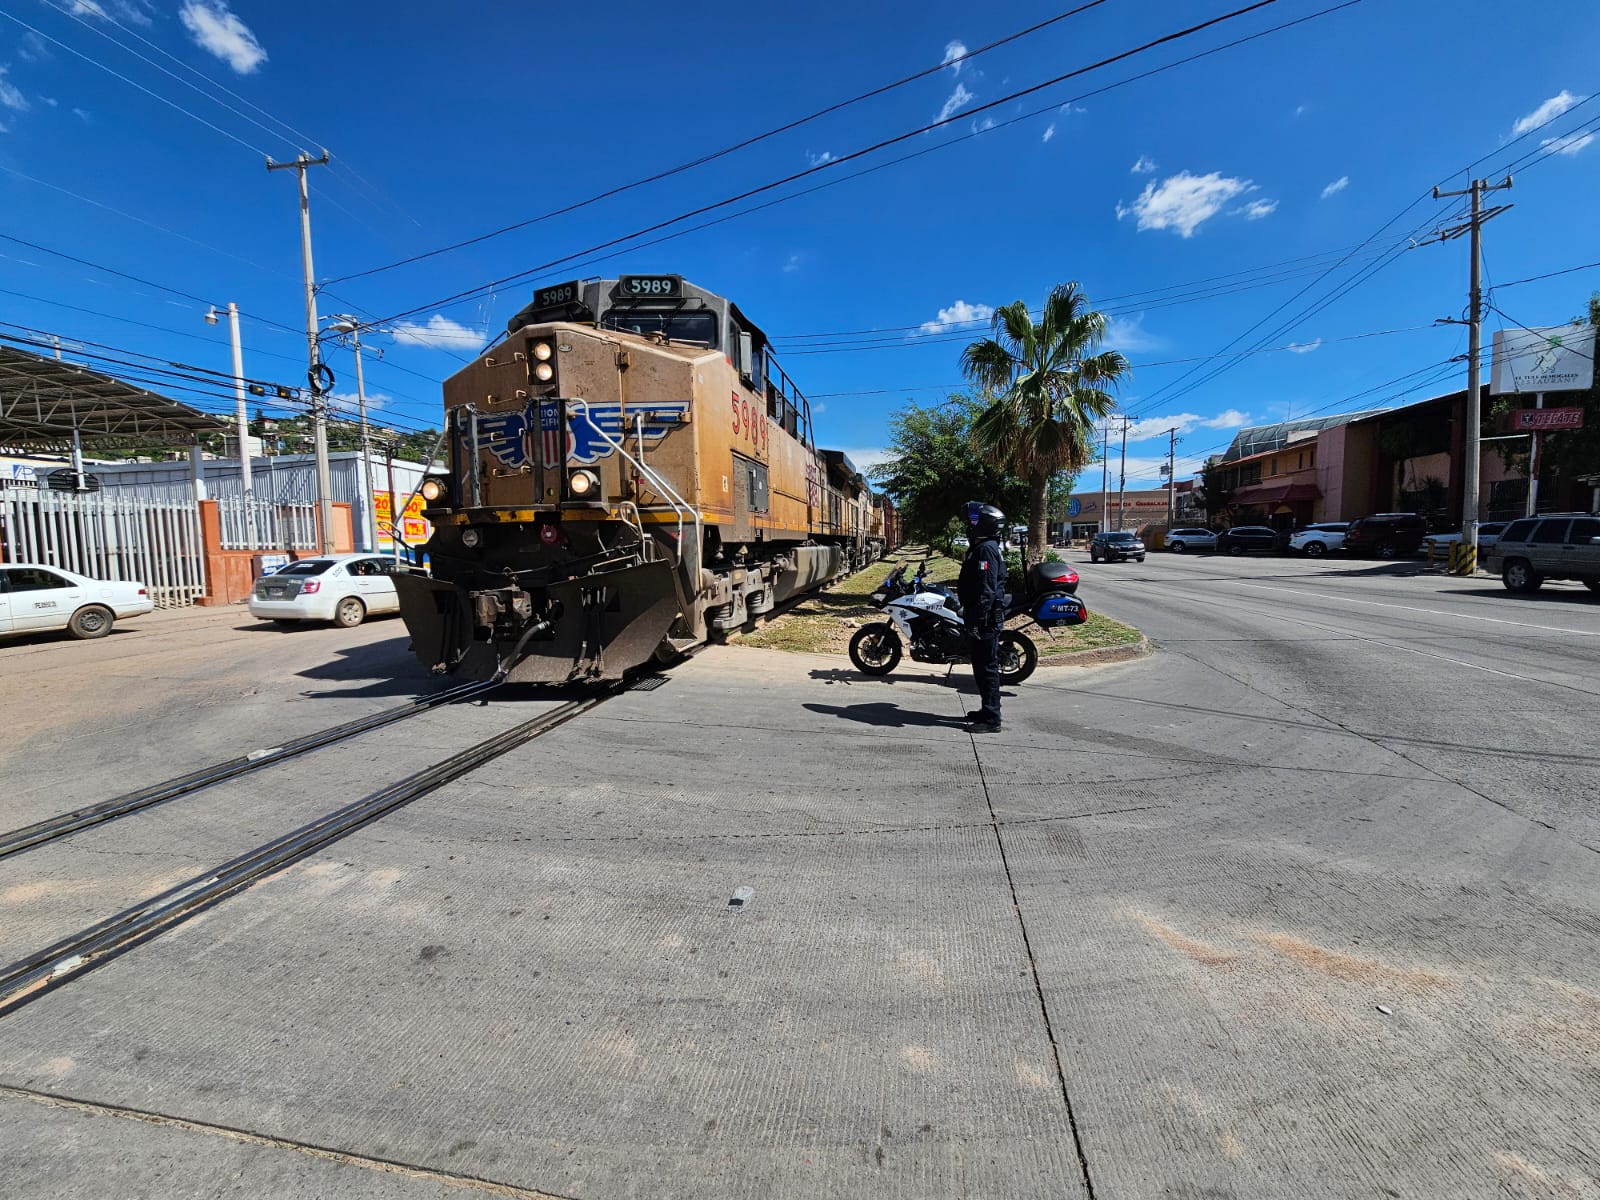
1302 905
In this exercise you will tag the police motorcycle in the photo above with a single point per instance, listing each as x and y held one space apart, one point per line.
929 622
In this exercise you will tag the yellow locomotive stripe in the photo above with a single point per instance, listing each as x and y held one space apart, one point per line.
515 516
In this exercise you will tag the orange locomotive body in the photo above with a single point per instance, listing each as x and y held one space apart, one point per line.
630 472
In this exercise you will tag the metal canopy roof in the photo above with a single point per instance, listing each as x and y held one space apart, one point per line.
42 400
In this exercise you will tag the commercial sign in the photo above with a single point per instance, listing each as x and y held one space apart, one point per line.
1559 358
413 527
1542 420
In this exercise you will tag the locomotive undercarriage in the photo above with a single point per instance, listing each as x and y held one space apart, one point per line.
570 601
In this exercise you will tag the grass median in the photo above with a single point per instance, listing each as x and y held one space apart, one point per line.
823 623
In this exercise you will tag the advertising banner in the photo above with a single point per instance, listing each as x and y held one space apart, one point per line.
1555 359
1542 420
414 529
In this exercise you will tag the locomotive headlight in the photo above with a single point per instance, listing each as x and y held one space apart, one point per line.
583 483
433 489
543 351
543 372
470 538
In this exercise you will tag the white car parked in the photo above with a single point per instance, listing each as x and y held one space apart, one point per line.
40 599
344 589
1317 540
1488 534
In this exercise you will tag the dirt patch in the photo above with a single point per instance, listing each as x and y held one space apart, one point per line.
1348 967
1200 952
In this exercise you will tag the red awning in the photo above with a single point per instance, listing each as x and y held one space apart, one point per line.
1277 493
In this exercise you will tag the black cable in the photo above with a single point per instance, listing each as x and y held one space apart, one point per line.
723 153
840 161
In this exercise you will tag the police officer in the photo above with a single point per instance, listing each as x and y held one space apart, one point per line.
981 590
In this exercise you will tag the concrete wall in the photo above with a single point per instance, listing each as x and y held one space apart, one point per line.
230 574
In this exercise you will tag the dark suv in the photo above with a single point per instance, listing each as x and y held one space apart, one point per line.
1387 535
1554 546
1116 546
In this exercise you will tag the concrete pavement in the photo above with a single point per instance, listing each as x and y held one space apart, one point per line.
1242 919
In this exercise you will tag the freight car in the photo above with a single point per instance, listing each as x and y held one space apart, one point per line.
630 473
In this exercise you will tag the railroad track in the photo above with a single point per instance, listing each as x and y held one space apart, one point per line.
65 824
39 973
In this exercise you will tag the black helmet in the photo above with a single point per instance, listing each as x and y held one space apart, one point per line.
985 520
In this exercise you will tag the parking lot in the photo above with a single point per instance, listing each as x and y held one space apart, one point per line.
1301 905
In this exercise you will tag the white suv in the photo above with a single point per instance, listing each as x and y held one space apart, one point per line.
1317 540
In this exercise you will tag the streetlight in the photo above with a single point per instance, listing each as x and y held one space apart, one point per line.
242 417
348 330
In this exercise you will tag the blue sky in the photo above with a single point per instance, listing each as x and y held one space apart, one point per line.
121 147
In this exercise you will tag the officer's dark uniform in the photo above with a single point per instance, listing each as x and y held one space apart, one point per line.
981 590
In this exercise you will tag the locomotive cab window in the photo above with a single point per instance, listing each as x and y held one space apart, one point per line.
697 327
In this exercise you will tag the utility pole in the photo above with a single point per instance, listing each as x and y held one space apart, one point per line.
241 417
1465 558
1122 476
317 374
346 325
1105 469
1172 460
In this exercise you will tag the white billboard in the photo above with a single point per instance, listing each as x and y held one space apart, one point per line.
1559 358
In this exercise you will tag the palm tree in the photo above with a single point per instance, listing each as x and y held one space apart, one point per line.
1048 385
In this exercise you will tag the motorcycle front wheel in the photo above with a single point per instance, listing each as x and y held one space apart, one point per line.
1018 657
875 648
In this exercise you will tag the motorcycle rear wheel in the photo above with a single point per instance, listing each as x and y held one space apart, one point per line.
875 648
1018 657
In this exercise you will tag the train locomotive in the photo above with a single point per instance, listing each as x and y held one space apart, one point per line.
630 474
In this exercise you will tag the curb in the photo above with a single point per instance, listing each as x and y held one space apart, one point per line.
1095 658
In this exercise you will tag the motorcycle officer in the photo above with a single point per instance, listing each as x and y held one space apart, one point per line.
981 590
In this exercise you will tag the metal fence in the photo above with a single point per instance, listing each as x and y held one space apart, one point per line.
152 539
263 524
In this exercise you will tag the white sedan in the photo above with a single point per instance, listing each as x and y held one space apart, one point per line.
344 589
40 599
1488 534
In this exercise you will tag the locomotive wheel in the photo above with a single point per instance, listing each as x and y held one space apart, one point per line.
875 648
1018 657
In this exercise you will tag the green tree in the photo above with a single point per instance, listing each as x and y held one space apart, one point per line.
1048 379
934 470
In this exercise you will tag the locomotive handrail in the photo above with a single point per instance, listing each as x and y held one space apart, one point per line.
679 504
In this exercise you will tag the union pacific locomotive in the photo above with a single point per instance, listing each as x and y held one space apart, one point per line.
630 473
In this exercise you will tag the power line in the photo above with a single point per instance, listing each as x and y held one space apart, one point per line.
840 161
1546 275
727 150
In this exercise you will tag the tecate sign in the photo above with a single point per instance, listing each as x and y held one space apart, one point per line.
1555 359
1543 420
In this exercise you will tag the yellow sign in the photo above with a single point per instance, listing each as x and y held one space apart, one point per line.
414 528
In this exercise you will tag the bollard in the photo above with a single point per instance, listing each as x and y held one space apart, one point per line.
1463 559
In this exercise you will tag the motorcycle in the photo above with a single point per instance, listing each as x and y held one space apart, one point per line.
930 623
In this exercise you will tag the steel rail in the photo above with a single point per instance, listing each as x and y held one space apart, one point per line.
39 973
64 824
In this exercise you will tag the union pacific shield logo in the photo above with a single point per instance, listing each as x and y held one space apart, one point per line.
505 435
587 437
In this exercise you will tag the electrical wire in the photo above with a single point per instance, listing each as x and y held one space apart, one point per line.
789 126
846 158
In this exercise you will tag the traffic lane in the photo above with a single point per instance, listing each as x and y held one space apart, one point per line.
1517 737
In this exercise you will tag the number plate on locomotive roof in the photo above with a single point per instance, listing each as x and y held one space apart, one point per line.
650 287
561 293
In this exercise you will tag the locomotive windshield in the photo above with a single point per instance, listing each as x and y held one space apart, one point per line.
699 327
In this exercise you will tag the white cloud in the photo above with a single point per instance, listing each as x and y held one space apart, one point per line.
816 160
50 100
1183 201
1049 132
1128 335
1570 144
953 51
1257 209
351 403
1156 427
216 30
866 459
983 126
87 8
959 98
1299 110
1337 186
818 409
438 333
81 113
1304 347
137 11
1143 472
1144 166
31 47
959 313
10 97
1548 111
793 264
